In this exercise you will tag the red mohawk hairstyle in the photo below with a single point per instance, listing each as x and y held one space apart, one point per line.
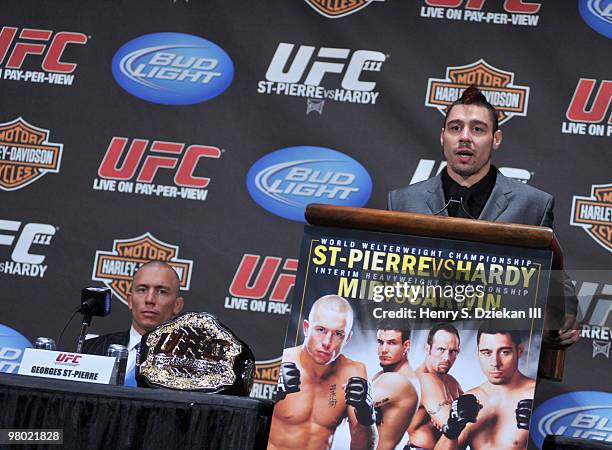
470 95
473 96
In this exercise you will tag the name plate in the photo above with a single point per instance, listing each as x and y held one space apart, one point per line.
66 366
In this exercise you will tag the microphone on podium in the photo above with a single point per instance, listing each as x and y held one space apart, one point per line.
457 201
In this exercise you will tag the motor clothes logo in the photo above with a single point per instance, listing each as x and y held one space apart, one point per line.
266 379
594 214
121 169
173 68
515 12
334 9
581 414
285 181
12 346
26 154
23 53
262 284
27 242
117 268
425 170
313 73
589 113
598 15
497 85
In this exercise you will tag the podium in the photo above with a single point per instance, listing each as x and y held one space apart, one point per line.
365 272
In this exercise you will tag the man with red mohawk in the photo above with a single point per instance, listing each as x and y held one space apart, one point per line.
471 187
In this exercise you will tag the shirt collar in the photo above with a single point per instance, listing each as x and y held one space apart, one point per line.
484 185
135 338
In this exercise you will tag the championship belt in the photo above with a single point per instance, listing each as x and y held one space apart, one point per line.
194 352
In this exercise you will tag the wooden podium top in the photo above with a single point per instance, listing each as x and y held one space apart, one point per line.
516 235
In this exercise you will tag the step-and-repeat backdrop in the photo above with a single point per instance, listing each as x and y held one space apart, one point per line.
196 131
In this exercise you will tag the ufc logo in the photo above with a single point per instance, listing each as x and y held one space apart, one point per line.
246 285
577 110
127 170
352 68
32 233
510 6
199 347
595 298
53 51
68 357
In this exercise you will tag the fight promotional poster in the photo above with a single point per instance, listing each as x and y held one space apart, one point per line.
472 318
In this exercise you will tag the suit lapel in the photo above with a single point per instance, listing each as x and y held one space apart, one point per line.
498 200
435 196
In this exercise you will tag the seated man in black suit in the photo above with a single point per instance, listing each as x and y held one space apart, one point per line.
153 299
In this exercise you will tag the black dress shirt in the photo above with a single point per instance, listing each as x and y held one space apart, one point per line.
473 198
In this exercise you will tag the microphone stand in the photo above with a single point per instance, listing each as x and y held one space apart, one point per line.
454 200
86 322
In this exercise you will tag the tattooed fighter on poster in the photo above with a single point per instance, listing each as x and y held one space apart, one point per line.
318 386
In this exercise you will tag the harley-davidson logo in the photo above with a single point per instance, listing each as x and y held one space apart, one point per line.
497 86
117 268
334 9
266 378
266 372
594 214
26 154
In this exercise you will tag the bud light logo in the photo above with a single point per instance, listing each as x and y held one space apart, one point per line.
598 15
173 68
582 414
285 181
12 346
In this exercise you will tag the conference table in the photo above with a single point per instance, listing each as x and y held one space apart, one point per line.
95 416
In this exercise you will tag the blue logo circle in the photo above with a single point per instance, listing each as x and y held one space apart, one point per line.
173 68
598 15
286 180
12 345
583 414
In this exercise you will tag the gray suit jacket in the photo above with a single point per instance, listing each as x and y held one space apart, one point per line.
510 201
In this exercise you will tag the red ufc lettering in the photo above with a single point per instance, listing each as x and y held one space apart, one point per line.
240 286
110 167
511 6
21 50
67 357
577 110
